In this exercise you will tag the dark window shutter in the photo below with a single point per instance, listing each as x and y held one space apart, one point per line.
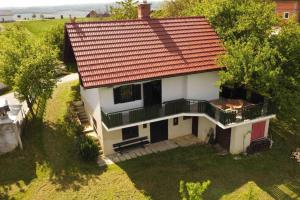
129 133
137 92
117 95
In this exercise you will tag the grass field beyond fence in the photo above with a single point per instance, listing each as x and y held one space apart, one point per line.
49 168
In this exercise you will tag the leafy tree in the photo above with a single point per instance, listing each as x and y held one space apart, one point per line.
34 15
126 9
27 65
177 8
288 88
193 191
55 38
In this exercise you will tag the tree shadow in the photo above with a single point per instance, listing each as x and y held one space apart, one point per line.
158 175
49 151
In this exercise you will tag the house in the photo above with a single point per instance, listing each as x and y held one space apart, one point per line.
149 80
92 14
6 16
288 9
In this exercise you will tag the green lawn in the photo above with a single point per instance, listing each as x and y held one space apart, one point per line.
39 27
48 167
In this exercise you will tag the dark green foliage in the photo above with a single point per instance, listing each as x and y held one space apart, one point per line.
88 149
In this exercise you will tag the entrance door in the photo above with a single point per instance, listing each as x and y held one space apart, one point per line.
195 126
152 93
223 137
258 130
159 131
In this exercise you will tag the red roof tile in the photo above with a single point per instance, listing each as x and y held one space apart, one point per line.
114 52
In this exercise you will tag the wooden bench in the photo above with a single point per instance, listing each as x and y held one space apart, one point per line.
129 144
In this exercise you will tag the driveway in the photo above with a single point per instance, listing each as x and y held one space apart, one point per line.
12 100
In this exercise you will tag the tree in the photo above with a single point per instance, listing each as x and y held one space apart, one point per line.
34 15
28 66
232 19
287 92
126 9
55 38
193 191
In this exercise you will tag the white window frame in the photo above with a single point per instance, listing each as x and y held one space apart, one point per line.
288 15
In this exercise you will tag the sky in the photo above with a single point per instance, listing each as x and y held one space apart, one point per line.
30 3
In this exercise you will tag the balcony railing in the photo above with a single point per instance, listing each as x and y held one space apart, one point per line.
174 107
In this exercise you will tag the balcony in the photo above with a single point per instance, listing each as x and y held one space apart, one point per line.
225 111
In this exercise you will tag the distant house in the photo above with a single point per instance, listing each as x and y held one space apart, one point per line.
150 80
94 14
6 16
288 9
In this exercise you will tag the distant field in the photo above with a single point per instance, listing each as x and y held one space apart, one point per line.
39 27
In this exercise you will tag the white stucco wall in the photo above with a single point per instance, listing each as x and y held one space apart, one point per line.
204 126
203 86
91 100
240 138
173 88
200 86
183 128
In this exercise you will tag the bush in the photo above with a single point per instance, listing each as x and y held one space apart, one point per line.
88 149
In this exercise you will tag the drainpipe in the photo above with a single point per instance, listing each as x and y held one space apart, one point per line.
244 136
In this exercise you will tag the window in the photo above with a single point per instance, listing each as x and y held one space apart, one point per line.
186 117
129 133
286 15
175 121
127 93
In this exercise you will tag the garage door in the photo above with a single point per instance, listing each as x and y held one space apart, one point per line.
258 130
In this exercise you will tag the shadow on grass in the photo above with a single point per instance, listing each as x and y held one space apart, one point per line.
272 171
49 153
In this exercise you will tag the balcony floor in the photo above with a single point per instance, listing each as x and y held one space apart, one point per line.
184 141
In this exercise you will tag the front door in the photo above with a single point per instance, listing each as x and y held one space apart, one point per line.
152 93
223 137
195 126
159 131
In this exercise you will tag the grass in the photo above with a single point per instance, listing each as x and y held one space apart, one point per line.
39 27
49 168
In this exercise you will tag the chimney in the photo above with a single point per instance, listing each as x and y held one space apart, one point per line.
144 10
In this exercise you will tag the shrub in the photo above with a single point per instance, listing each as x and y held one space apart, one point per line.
193 191
88 149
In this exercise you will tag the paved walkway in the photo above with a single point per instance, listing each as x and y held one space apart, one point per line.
12 100
149 149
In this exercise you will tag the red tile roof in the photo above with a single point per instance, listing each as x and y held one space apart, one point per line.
114 52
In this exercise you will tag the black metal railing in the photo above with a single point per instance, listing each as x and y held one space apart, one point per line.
174 107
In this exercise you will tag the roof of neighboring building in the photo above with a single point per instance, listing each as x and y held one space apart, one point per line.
114 52
6 13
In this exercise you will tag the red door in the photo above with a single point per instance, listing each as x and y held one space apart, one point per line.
258 130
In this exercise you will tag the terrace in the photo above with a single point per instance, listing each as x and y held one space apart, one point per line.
224 111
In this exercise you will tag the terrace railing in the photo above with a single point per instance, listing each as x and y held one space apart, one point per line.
179 106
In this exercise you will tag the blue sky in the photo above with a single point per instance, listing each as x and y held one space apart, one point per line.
29 3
